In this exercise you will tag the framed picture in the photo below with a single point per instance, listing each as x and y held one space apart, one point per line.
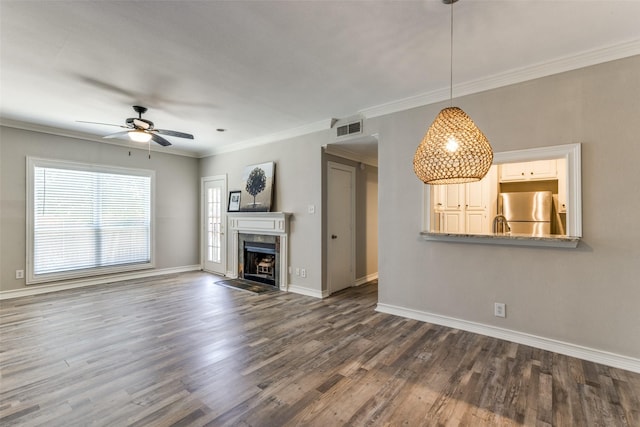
257 187
234 201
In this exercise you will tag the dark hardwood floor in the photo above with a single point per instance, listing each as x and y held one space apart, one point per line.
182 351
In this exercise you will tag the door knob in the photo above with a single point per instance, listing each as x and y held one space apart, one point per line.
333 236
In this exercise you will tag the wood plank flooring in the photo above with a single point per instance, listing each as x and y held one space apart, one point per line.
182 351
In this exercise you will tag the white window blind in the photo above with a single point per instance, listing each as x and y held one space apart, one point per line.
87 219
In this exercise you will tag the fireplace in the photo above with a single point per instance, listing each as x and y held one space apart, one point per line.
259 258
260 247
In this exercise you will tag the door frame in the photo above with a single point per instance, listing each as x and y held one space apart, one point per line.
352 171
223 216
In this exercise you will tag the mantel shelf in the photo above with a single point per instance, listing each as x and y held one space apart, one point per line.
504 239
259 222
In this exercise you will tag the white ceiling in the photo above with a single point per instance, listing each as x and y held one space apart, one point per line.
270 69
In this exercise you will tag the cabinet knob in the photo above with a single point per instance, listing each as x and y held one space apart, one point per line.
522 174
531 173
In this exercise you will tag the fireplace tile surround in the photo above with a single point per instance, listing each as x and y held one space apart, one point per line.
260 226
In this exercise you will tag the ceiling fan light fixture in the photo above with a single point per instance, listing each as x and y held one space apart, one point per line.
454 150
139 136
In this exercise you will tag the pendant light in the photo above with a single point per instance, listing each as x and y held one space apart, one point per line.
453 150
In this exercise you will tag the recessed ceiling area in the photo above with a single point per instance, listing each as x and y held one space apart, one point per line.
265 70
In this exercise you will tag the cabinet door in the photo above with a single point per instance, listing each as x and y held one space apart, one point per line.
476 222
454 196
513 172
439 197
453 222
477 194
543 169
537 170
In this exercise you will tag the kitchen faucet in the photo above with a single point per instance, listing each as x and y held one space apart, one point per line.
500 222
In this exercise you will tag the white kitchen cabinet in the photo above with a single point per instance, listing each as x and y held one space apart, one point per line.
477 193
529 171
449 197
476 222
464 208
453 222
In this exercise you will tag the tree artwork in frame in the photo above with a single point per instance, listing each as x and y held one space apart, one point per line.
257 187
234 201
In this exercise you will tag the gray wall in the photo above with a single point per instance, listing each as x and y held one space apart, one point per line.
588 296
177 195
300 168
297 185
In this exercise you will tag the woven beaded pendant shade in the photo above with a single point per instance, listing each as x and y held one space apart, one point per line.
453 150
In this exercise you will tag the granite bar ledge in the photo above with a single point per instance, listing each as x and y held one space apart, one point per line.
504 239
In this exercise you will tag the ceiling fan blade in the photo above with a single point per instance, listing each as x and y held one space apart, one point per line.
174 133
117 134
105 124
160 140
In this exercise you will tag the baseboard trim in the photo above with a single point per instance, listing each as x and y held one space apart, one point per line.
306 291
366 279
80 283
568 349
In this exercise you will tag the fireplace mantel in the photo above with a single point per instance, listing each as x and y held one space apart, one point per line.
270 223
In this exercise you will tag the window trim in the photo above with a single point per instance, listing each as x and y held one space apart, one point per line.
32 163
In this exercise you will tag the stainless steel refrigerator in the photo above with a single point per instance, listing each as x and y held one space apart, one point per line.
527 212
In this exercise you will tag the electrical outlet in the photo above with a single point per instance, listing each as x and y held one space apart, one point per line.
297 271
499 309
311 209
303 272
19 274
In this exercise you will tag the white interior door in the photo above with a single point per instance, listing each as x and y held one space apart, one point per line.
214 207
341 180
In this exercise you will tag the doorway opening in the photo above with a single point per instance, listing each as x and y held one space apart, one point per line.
352 213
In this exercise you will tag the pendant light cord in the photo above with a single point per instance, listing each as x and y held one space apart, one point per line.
451 60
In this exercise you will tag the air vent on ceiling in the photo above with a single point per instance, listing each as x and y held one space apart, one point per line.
351 128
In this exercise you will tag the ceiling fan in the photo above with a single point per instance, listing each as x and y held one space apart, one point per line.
142 130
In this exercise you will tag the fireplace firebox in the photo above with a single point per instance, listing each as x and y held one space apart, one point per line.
259 258
260 262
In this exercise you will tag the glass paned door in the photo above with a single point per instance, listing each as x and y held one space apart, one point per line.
214 239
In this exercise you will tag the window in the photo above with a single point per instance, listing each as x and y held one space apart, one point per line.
85 220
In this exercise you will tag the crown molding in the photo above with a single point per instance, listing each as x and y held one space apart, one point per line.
561 65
